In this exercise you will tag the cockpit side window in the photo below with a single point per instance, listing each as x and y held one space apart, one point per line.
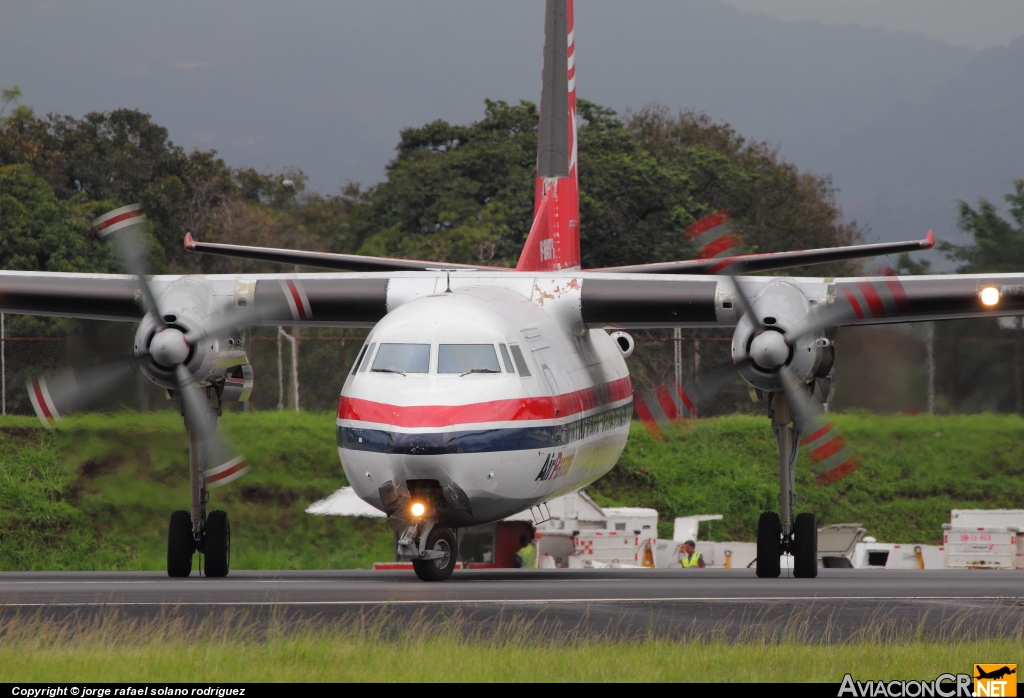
517 354
359 360
467 358
506 360
365 361
402 358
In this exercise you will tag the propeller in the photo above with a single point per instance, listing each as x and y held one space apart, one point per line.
822 441
74 389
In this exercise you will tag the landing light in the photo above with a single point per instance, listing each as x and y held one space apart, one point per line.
418 510
989 295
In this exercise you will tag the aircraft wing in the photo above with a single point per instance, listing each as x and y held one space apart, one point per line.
638 302
595 299
774 261
736 264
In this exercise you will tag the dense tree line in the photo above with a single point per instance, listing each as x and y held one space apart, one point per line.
461 193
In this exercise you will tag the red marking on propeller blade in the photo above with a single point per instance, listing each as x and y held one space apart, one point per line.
853 302
872 298
718 246
646 418
118 218
707 223
297 297
839 472
899 294
41 400
667 404
686 399
816 435
827 449
227 472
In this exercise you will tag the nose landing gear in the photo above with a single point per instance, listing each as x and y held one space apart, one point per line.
778 534
432 549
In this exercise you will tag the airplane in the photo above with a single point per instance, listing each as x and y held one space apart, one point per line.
483 391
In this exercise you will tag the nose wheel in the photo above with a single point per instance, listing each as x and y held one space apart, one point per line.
439 554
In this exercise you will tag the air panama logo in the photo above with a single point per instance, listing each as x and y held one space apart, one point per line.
555 466
988 680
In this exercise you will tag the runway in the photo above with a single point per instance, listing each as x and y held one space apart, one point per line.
839 603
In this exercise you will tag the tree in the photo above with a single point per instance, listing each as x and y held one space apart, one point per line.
998 245
465 193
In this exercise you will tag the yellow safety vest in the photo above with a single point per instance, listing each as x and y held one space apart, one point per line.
690 560
527 556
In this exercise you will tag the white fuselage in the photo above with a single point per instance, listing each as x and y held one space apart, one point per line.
554 419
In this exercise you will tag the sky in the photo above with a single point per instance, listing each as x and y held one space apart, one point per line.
327 87
975 23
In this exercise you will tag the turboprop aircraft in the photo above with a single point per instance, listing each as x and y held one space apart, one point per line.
484 391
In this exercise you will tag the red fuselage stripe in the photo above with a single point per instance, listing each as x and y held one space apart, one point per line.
517 409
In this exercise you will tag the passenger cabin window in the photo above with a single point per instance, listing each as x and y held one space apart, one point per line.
467 358
517 354
402 358
366 357
506 360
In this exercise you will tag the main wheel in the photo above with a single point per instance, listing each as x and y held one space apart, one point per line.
769 544
180 545
441 540
805 546
217 547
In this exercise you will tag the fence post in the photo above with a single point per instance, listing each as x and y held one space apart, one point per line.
677 346
929 337
3 359
280 372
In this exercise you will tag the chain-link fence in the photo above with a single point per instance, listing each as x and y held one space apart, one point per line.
885 369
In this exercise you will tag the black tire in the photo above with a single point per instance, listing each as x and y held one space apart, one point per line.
769 544
180 545
217 544
440 569
805 546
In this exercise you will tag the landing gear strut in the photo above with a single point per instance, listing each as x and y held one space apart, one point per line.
781 533
433 550
195 530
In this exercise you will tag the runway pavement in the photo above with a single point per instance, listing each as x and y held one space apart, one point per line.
839 603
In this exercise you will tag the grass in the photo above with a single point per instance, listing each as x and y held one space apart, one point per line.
369 649
96 493
915 469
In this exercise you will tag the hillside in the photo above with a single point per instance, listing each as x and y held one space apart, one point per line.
96 493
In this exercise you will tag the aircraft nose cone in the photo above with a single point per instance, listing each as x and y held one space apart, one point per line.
169 347
769 350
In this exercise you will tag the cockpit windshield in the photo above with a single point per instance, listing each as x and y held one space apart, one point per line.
467 358
402 358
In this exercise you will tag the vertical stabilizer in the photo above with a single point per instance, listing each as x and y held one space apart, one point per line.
554 240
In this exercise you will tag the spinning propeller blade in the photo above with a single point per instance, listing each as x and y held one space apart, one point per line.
224 464
73 389
822 442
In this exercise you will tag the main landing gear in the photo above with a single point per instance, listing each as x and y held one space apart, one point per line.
782 533
196 531
433 550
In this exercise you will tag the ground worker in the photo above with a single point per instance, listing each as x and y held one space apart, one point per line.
526 557
689 557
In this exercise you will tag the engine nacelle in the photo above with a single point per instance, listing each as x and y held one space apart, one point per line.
624 342
781 306
188 304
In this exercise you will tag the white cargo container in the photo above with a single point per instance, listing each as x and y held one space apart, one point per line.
980 547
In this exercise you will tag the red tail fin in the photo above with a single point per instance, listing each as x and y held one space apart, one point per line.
554 240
